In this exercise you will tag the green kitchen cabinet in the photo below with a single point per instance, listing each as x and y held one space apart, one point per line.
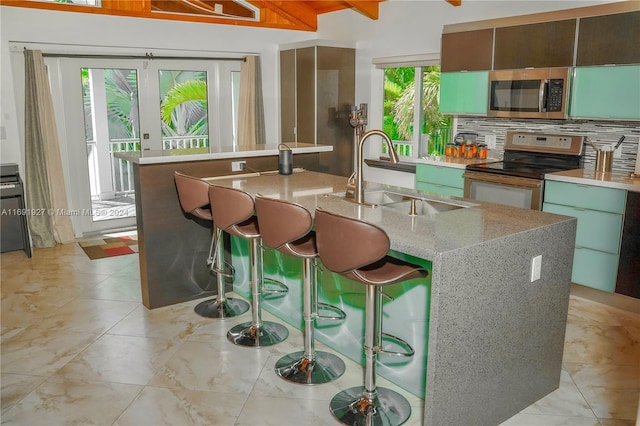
440 180
611 92
600 214
464 92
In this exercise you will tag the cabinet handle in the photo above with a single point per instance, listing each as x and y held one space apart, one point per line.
580 209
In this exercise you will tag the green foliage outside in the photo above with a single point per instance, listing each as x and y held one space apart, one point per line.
399 101
183 104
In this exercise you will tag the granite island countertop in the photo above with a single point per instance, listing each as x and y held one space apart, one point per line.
462 223
212 153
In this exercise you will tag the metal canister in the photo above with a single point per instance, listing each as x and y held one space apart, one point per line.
285 160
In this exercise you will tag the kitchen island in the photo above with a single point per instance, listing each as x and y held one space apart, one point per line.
488 337
173 246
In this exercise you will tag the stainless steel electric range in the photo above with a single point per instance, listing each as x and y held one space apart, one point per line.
518 180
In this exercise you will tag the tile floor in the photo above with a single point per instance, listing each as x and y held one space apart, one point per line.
78 348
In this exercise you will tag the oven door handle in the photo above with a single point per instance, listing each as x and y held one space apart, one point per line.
503 179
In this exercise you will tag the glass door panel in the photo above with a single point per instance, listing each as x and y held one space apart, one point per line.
109 105
184 110
110 101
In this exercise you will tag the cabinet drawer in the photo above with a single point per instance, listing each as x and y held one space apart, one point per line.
440 189
440 175
596 230
595 269
586 196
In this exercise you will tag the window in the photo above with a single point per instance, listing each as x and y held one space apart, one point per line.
75 2
401 84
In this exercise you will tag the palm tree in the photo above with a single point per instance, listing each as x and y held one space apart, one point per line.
432 118
184 109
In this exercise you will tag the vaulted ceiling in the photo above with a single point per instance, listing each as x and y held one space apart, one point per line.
285 14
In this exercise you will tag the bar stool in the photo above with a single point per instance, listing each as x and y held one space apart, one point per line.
286 227
233 211
358 251
193 194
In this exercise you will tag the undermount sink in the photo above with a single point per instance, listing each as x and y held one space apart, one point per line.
408 203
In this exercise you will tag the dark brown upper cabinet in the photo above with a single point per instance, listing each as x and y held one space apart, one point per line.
609 39
541 45
467 51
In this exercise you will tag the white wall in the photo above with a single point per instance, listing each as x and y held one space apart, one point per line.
405 27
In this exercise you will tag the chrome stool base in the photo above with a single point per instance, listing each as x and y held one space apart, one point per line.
297 368
387 408
227 308
247 334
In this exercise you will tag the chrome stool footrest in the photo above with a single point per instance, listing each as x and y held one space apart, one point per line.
274 288
338 316
228 272
409 351
386 408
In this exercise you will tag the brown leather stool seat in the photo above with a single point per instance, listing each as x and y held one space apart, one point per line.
358 250
286 227
233 211
193 194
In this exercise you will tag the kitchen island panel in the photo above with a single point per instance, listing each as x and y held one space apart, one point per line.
495 338
173 246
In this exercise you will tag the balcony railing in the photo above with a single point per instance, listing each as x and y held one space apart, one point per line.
121 170
180 142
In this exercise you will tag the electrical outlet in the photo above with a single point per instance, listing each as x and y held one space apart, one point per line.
490 140
237 166
536 268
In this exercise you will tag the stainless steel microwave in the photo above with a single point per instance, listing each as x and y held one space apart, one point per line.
529 93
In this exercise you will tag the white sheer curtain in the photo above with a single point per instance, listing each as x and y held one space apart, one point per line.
44 180
251 129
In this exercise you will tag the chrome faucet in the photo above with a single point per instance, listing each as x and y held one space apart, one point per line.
393 156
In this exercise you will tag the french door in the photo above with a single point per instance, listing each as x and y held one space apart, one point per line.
108 105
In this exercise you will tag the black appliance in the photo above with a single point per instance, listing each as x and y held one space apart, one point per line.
518 180
14 232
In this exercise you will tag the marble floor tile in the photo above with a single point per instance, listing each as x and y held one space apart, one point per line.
78 347
210 367
564 401
120 359
17 386
164 406
57 402
600 344
87 315
43 352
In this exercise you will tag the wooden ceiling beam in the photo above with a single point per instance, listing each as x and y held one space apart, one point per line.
367 8
296 12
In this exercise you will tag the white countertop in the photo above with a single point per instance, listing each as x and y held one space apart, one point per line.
591 177
199 154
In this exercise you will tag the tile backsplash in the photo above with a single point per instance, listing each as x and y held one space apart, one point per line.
601 132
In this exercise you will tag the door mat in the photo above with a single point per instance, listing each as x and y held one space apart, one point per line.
110 246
